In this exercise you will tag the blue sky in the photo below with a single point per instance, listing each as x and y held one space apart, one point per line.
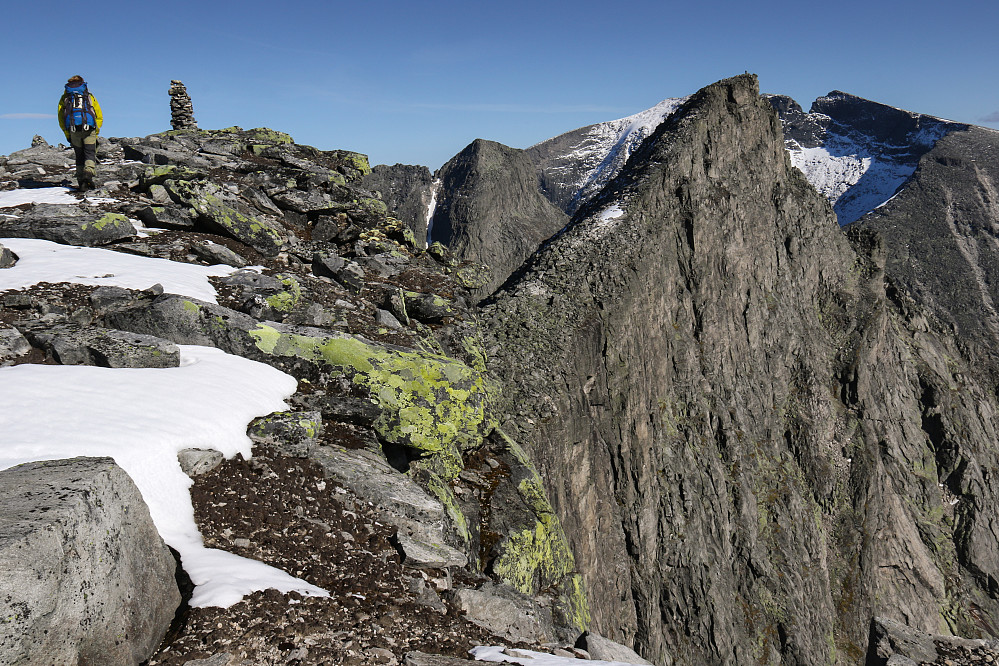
415 82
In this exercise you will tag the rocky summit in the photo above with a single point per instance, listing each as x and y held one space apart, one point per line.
631 395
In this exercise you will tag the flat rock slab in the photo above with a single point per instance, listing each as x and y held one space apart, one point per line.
104 347
69 225
84 576
424 659
506 613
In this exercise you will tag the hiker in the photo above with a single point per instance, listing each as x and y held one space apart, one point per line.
81 120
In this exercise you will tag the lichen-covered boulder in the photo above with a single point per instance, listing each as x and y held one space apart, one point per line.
84 576
293 433
222 214
68 224
432 404
70 344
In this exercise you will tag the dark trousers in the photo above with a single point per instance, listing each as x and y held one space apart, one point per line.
85 147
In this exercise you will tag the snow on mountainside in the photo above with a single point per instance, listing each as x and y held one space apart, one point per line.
857 153
576 165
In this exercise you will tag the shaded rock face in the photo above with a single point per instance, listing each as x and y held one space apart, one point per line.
407 191
490 210
752 446
82 566
941 234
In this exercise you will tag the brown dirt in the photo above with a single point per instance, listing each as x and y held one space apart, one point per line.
282 511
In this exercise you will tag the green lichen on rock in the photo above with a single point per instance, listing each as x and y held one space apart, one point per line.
265 135
107 220
206 201
157 175
432 404
356 161
538 557
286 301
472 275
442 491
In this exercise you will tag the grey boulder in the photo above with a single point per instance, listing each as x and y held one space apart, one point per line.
7 258
84 576
506 613
68 225
108 348
12 344
605 649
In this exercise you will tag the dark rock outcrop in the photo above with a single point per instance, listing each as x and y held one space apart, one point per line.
70 344
769 441
84 576
490 210
408 192
941 236
7 258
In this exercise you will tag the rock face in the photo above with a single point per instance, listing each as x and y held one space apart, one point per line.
941 234
490 210
84 576
769 443
408 191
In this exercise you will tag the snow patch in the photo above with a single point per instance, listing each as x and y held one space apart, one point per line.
46 195
45 261
142 418
435 188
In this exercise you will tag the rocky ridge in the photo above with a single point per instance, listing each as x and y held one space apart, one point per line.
753 444
387 482
771 438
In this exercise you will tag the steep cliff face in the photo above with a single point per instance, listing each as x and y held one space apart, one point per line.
753 447
489 209
942 235
407 191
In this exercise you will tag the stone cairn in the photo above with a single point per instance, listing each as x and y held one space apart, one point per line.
181 109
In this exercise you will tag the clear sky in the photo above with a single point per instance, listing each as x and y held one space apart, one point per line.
415 82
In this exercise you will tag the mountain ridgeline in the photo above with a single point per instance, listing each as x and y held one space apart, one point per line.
755 438
716 383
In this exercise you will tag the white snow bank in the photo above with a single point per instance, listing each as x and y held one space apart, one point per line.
44 261
531 658
45 195
142 418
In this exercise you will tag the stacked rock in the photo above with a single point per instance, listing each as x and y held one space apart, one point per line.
181 109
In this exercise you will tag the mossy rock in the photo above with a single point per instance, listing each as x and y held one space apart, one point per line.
265 135
158 175
533 554
207 200
432 404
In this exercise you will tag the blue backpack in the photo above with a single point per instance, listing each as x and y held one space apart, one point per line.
79 111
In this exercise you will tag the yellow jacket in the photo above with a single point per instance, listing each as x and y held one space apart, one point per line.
63 110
